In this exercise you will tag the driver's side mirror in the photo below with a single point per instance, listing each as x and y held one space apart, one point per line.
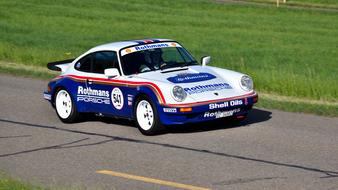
205 60
112 72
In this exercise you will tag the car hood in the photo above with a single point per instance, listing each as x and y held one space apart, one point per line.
202 83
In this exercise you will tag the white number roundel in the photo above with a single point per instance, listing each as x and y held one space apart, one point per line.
117 98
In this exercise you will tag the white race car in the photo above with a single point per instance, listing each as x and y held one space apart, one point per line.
155 82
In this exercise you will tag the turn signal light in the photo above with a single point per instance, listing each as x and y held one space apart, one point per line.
185 109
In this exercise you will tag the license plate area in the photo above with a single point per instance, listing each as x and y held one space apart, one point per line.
221 114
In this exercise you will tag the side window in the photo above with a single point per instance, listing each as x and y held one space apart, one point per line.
104 60
84 64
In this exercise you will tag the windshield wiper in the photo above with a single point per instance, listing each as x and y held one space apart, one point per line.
189 63
173 69
165 66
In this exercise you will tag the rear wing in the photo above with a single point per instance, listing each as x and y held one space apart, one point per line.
59 65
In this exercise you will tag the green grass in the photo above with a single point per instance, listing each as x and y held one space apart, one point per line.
28 71
305 3
8 183
300 107
324 2
288 52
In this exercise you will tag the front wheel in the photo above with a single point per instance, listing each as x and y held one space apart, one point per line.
147 119
65 107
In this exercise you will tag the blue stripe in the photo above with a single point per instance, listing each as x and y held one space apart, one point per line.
156 40
139 42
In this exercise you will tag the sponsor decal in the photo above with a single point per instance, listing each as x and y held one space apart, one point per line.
117 98
208 87
130 99
47 96
91 92
191 77
170 110
148 46
151 46
78 65
220 114
87 94
225 104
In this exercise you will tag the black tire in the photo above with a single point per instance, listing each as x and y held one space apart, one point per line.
65 107
146 117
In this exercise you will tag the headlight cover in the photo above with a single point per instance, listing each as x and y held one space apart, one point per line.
246 83
179 94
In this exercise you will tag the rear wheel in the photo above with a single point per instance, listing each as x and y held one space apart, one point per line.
65 107
147 119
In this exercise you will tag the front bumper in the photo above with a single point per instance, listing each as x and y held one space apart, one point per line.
199 112
47 96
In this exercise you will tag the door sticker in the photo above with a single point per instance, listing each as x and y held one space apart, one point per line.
117 98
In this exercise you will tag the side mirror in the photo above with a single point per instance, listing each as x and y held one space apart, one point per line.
205 60
111 72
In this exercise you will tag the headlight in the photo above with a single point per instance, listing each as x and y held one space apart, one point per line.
246 83
179 94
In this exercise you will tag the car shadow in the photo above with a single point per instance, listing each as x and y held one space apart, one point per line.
107 120
254 116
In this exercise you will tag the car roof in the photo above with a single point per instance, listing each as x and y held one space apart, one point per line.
116 46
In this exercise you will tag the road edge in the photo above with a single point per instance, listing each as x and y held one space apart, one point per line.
266 100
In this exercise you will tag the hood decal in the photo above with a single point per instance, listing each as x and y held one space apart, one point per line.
207 88
191 77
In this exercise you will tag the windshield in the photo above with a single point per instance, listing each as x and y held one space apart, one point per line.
161 56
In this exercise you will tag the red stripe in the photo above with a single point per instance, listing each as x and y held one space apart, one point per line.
252 94
56 78
147 41
158 90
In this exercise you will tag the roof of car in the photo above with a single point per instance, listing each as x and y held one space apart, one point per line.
115 46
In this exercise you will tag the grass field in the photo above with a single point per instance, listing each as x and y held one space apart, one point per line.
307 3
323 2
8 183
288 52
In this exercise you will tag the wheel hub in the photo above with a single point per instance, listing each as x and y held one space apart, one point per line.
145 115
63 104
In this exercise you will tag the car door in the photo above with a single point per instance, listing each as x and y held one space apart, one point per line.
107 94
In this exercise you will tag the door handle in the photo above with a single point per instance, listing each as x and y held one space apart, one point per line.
89 81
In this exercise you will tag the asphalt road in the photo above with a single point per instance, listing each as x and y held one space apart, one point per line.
270 150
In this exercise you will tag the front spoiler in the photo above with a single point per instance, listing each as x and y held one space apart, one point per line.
207 111
47 96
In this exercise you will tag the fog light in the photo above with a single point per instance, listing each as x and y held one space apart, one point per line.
185 109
